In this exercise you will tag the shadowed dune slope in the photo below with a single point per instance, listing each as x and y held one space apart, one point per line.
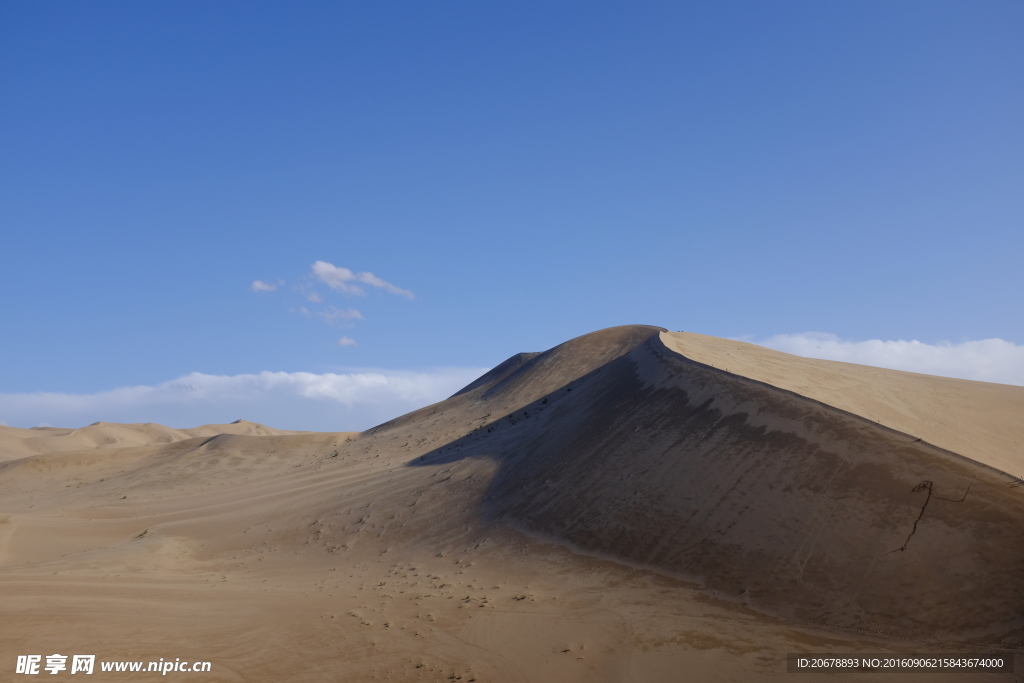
619 445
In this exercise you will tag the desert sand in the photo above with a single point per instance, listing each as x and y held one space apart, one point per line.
632 505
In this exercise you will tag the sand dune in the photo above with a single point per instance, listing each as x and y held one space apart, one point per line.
801 509
618 508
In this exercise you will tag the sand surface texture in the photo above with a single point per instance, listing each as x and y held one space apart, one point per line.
618 508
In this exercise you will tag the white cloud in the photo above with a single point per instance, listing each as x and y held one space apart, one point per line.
986 360
332 314
261 286
335 277
346 341
343 279
371 279
288 400
314 297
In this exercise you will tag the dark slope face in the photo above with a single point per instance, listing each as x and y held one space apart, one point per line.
618 446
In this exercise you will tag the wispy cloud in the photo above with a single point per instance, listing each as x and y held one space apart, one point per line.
346 341
986 360
345 401
344 280
332 314
371 279
261 286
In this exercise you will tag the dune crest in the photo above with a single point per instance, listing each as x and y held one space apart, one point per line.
979 420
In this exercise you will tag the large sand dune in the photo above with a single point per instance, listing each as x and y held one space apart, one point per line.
633 505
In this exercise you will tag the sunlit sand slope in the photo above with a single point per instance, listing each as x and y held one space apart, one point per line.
980 420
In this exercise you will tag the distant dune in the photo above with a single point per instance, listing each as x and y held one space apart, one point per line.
18 443
626 506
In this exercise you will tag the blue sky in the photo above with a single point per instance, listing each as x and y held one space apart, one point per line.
525 172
